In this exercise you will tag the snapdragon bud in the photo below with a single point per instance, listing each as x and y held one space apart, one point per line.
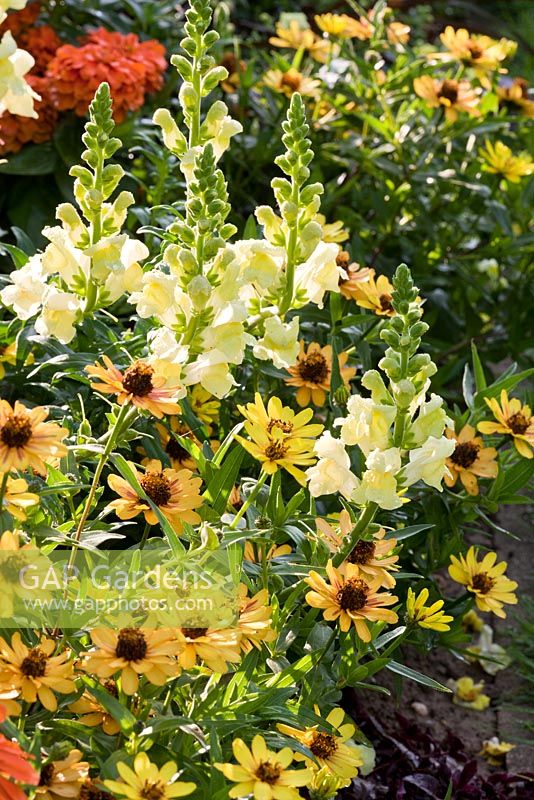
404 393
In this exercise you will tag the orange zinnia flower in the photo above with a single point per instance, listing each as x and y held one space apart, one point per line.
14 765
138 384
18 21
356 275
313 371
453 96
42 42
132 69
349 599
26 440
175 493
469 459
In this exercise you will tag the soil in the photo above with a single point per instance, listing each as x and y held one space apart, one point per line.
435 711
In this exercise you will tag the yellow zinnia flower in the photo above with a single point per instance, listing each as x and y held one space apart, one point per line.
333 751
175 493
350 286
146 780
138 384
332 231
26 440
343 26
214 648
275 551
204 406
62 779
254 624
374 294
513 419
477 50
8 355
16 498
280 438
499 160
485 579
313 371
93 714
296 37
349 599
469 460
494 750
469 694
431 617
290 82
34 671
133 652
453 96
513 93
262 773
372 558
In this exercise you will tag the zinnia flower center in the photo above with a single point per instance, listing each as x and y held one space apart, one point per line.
131 645
353 595
385 302
152 791
175 450
291 80
34 664
465 454
157 487
323 745
475 50
313 368
449 90
268 772
343 259
276 450
518 423
111 688
16 431
11 567
285 427
90 791
47 773
362 553
137 379
194 633
483 583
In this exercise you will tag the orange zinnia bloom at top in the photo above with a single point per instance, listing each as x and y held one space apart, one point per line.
132 69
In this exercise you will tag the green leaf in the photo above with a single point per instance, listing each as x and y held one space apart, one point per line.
120 713
219 488
18 256
34 159
418 677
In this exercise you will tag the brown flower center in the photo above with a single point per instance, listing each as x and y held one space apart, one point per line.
90 791
175 450
323 745
137 379
465 454
268 772
449 90
353 595
34 664
131 645
111 687
10 568
385 302
518 423
314 368
194 633
482 582
276 450
16 430
152 791
47 774
475 50
292 80
362 553
285 427
157 487
229 62
343 259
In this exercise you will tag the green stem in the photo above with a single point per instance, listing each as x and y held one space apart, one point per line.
144 537
3 485
366 517
287 297
250 499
